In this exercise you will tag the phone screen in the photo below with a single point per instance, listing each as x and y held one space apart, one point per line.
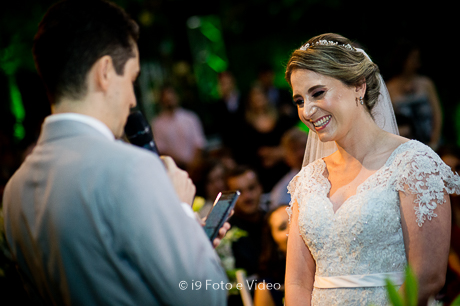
219 213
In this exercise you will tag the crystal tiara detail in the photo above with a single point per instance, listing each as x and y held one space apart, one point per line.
327 43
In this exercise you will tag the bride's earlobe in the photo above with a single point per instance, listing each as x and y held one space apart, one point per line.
361 87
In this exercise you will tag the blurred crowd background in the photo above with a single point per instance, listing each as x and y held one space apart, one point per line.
212 85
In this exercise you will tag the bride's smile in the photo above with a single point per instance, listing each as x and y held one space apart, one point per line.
326 105
322 122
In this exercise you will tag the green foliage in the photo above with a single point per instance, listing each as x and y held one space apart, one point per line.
456 302
224 250
410 294
410 288
209 53
395 298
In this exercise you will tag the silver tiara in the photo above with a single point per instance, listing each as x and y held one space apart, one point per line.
327 43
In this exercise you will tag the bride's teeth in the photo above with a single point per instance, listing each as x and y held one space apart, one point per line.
322 121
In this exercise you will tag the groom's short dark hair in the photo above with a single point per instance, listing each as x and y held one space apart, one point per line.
72 36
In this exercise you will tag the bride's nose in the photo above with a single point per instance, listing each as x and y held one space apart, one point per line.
309 111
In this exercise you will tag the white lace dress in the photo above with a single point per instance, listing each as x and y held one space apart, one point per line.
364 236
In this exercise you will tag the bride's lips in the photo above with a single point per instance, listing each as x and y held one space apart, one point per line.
322 122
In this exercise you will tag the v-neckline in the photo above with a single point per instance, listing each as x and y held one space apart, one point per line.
359 186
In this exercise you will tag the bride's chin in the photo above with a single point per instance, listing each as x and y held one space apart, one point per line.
325 137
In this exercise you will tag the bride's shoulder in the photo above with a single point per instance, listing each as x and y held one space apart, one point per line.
395 141
311 172
393 144
312 167
309 175
410 151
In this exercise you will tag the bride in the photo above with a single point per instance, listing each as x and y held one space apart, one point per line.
367 202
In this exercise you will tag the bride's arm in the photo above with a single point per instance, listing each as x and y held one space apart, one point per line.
300 266
427 247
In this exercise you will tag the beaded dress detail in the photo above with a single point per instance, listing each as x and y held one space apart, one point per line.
364 236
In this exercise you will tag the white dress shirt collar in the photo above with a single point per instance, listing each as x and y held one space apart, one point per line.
91 121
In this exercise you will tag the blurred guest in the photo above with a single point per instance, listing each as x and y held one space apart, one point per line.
244 237
414 95
229 93
260 143
450 154
278 97
209 179
405 126
227 112
248 216
272 264
241 247
178 132
224 155
293 143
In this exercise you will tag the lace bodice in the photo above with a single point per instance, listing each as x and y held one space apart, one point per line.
364 236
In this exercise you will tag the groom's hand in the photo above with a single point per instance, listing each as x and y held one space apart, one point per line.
222 232
182 184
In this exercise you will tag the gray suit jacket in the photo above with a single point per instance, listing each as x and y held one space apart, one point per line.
97 222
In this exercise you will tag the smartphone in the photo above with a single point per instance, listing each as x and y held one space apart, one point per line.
219 213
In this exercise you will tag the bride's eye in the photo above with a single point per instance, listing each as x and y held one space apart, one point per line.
318 94
298 102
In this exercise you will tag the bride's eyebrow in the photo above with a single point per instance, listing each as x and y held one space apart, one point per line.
309 91
315 87
296 96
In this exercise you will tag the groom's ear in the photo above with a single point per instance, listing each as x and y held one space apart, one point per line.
103 71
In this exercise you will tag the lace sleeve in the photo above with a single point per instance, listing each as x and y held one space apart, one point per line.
292 188
421 172
305 182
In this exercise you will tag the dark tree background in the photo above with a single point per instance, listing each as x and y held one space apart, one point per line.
254 32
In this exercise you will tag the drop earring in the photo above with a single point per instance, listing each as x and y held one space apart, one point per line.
361 100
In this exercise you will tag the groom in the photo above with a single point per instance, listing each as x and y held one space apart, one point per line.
91 220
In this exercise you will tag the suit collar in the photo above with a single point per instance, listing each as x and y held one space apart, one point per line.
95 123
56 129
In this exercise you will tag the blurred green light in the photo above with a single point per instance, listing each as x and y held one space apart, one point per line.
9 61
207 46
17 108
216 63
19 131
303 127
210 31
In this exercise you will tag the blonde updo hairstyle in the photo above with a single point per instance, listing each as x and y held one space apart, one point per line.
351 67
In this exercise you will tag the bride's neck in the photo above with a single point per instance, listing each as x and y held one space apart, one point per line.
360 143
